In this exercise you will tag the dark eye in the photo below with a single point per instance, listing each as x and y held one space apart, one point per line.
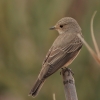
61 26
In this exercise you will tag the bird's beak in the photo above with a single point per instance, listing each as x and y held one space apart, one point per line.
52 28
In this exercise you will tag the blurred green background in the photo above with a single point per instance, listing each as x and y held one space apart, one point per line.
25 39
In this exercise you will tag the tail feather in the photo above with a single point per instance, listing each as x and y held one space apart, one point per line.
36 88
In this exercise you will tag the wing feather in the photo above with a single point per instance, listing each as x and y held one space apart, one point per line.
58 56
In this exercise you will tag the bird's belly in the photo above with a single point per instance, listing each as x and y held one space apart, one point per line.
71 60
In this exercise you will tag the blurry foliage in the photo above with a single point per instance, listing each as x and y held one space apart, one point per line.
25 39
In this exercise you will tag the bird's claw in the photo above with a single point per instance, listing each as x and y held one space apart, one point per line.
66 69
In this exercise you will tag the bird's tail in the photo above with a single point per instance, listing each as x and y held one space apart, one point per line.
36 88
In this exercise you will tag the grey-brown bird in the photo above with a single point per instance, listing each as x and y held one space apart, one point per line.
62 52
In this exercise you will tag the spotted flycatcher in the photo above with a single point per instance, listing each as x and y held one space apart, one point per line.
62 52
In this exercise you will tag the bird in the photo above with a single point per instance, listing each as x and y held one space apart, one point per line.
63 51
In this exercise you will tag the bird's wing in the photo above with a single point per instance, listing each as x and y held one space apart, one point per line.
47 55
59 55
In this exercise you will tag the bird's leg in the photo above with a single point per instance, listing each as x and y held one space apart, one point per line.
69 70
64 69
61 70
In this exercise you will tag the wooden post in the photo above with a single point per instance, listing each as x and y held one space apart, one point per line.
69 84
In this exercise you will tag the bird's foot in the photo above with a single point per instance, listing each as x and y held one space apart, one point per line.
69 71
64 69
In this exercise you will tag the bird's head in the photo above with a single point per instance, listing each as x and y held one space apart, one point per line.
66 24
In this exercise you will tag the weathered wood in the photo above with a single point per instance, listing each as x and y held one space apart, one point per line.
69 84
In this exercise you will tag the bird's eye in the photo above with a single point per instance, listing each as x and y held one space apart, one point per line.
61 26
